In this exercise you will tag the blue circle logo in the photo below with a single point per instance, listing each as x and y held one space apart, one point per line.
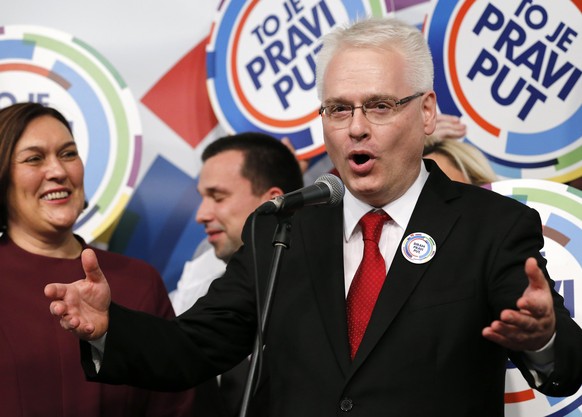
513 71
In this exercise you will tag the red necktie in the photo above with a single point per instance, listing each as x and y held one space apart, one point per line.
368 280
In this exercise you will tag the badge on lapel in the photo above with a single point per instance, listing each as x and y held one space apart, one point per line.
418 248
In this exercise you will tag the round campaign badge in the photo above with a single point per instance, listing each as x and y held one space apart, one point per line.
513 71
560 210
418 248
50 67
261 65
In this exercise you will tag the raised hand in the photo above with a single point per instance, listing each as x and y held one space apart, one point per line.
449 127
82 306
532 326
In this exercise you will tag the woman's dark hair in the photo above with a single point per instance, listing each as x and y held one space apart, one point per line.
14 120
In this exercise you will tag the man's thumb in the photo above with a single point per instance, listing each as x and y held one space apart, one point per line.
91 266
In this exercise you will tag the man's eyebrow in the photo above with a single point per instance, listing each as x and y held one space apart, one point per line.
372 97
213 190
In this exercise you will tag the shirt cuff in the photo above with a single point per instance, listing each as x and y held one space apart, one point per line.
543 356
97 351
541 362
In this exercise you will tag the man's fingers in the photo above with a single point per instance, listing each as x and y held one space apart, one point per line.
537 298
54 291
493 336
88 329
91 266
444 117
530 327
449 127
535 274
525 320
57 308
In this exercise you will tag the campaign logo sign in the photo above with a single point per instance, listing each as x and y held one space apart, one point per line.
560 209
39 64
513 71
261 65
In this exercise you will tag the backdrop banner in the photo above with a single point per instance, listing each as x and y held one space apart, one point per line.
147 85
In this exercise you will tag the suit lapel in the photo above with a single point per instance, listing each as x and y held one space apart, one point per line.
432 216
322 236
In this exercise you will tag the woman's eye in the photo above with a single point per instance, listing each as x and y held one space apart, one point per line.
70 154
33 159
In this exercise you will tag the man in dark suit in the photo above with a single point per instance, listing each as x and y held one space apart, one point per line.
239 173
463 290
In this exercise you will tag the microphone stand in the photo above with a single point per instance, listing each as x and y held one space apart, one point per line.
280 242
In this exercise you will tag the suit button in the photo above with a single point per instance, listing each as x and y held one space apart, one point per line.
346 404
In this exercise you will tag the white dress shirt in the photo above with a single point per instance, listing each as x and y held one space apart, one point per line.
195 280
392 232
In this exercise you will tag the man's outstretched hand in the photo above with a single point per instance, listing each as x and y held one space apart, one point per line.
83 305
533 325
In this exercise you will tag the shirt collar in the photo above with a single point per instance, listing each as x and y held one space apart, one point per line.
400 209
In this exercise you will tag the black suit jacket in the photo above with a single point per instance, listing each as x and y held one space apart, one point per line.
224 399
423 353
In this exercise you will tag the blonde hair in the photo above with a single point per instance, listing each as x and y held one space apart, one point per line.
467 158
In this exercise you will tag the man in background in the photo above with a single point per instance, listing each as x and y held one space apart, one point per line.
238 174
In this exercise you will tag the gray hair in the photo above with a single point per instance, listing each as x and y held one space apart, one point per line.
386 33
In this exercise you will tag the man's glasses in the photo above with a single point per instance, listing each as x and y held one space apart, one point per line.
378 111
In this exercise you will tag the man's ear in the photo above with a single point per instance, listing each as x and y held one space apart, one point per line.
272 193
429 112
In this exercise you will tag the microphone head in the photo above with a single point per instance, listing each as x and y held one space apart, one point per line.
336 188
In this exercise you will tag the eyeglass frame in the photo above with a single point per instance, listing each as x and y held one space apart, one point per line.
397 104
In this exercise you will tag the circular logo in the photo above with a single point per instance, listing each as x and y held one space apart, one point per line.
54 68
261 65
513 71
418 248
560 208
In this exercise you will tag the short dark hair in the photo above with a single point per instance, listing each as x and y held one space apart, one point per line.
267 162
14 120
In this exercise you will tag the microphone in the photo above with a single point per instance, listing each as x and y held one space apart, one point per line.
327 189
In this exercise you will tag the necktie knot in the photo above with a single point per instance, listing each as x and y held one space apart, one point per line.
371 224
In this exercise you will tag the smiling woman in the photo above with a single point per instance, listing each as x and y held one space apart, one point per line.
45 194
41 197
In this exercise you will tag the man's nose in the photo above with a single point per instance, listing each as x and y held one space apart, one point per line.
204 212
359 127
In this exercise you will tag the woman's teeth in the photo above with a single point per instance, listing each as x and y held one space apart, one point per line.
56 195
